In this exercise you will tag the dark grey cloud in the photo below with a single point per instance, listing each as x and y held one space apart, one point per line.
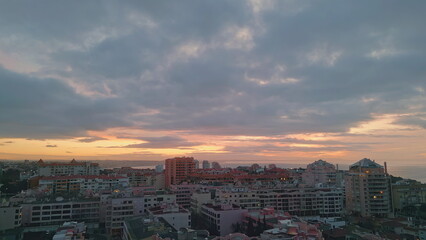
161 142
48 108
418 120
91 139
51 146
219 67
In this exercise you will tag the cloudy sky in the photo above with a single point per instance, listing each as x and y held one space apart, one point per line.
263 81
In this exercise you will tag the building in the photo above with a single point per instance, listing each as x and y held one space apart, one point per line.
408 193
158 198
71 168
242 196
325 202
56 211
77 183
70 230
118 205
177 169
206 164
159 168
142 227
11 216
320 172
368 189
222 217
199 198
184 193
176 216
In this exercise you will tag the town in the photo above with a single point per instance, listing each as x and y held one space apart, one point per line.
187 199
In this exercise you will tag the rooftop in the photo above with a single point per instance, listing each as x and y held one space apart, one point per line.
366 163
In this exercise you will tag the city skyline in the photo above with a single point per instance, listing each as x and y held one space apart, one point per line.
285 82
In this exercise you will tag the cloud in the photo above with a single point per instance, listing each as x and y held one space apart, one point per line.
51 146
48 108
161 142
91 139
214 68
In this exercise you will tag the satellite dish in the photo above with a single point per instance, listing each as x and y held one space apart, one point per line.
59 199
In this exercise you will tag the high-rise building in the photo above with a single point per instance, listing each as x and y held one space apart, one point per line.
320 172
69 168
177 169
206 164
368 189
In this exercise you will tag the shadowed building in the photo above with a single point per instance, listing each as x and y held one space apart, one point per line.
368 189
177 169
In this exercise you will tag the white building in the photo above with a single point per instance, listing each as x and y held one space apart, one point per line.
206 164
71 168
116 206
173 214
76 183
42 213
10 216
222 217
242 196
199 198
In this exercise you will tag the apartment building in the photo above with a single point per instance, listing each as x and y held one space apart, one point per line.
10 216
242 196
368 189
77 183
116 206
177 169
70 168
408 193
222 217
184 193
55 212
320 172
303 201
176 216
199 198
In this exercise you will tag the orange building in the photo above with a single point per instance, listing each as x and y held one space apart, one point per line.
178 169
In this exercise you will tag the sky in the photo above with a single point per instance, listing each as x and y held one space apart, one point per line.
230 81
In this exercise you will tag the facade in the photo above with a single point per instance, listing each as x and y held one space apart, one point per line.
183 193
43 213
206 164
11 216
242 196
199 198
64 169
324 202
157 199
320 172
221 218
118 205
368 189
408 193
77 183
178 169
